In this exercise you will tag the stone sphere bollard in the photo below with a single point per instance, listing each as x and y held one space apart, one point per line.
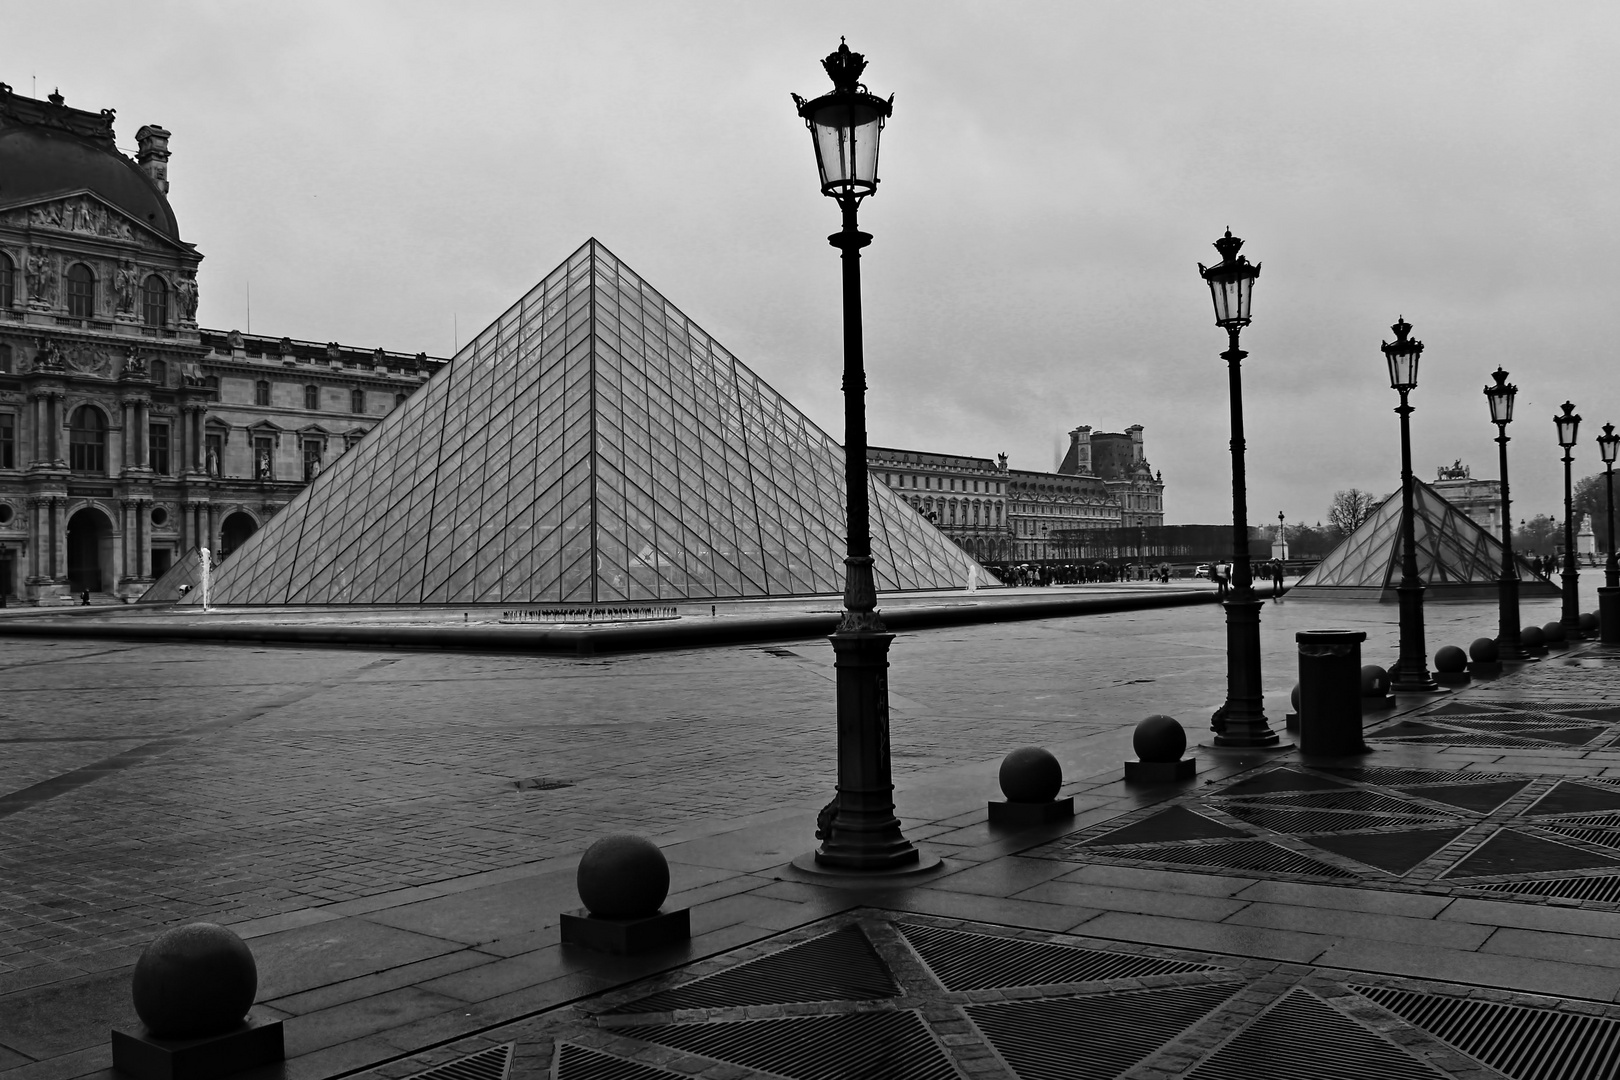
623 876
1030 774
193 981
1374 681
1450 659
1483 651
1293 697
1554 632
1159 738
1532 637
1590 622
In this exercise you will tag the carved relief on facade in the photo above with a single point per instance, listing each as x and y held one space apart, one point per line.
40 270
88 359
124 285
81 215
185 294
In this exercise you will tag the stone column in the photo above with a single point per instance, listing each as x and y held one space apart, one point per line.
143 430
200 462
38 442
38 528
212 510
126 532
58 538
53 426
143 544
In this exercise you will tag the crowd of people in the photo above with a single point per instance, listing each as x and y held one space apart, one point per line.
1024 575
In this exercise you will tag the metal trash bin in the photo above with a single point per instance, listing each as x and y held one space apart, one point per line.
1330 692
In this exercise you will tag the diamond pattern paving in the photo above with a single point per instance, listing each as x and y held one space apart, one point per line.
1512 852
1168 1012
1397 852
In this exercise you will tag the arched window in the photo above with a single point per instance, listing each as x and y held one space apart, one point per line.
8 281
312 397
81 292
155 302
160 372
357 401
261 393
87 441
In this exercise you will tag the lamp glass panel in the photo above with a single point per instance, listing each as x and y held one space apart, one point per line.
1567 427
1608 445
846 132
1403 365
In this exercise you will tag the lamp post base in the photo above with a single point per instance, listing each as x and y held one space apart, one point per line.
860 833
1241 722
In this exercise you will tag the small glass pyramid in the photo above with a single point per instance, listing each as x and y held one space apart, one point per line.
1457 559
592 445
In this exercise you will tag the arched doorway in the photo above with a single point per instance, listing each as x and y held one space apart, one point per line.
235 532
89 551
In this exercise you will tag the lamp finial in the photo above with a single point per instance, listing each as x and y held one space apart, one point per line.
844 68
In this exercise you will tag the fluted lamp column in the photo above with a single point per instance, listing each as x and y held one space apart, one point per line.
1241 721
1508 647
1569 423
1411 672
1609 594
858 830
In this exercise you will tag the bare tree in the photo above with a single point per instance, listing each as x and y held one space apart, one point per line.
1349 509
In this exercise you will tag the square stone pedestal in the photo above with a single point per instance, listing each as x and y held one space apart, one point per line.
1485 670
626 937
1376 704
256 1041
1161 772
1020 814
1453 678
1291 721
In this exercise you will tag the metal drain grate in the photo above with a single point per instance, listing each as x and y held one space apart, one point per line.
1572 798
1499 742
1281 780
963 961
492 1064
1176 823
1605 821
840 966
1605 888
1302 1036
1096 1037
1367 801
1480 798
1510 852
1258 855
1315 821
1609 838
579 1063
891 1045
1524 1043
1397 852
1394 774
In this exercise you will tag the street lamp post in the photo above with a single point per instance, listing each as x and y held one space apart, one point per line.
1411 674
1508 646
1241 721
1609 595
859 831
1568 424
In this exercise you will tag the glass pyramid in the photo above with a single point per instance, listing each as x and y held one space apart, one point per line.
592 445
1457 559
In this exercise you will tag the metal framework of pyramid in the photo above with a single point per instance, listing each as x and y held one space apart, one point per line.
592 445
1457 559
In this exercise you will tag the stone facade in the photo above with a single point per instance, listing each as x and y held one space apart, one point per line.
999 514
1481 500
128 435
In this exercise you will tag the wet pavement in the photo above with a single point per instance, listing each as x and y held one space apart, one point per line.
395 833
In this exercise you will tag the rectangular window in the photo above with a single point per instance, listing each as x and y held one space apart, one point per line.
5 359
215 449
261 393
8 441
157 447
264 458
312 459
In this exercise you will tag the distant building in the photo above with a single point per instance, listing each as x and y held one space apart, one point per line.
999 514
1481 500
128 435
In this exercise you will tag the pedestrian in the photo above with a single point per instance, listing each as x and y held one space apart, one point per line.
84 598
1277 579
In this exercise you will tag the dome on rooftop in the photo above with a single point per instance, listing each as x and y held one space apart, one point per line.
38 162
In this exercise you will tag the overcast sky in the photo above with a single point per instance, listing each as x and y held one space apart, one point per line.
396 173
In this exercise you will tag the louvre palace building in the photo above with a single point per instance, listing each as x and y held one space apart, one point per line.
128 435
998 514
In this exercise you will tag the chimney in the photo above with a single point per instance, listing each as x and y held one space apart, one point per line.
154 154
